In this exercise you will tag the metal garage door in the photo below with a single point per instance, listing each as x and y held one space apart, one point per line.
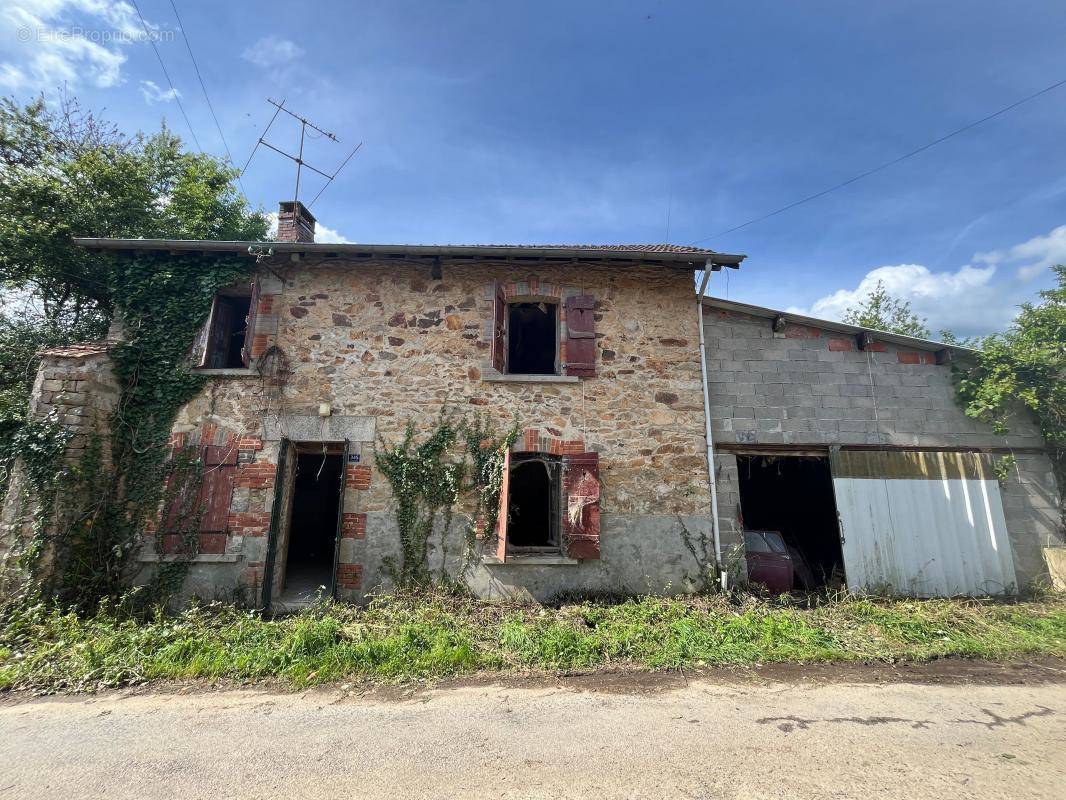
922 523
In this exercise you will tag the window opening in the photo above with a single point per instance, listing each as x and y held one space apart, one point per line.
533 503
532 338
229 326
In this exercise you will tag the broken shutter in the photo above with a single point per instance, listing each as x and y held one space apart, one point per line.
581 514
501 520
918 523
277 513
216 488
340 516
249 329
201 349
218 338
499 329
580 336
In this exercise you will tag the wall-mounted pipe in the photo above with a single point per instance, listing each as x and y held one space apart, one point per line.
723 577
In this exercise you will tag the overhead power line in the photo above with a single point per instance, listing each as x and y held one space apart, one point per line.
887 164
203 86
177 97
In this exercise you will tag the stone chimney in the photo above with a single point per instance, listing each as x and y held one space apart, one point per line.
295 223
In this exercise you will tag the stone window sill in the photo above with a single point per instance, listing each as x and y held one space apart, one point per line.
499 377
232 372
531 561
199 558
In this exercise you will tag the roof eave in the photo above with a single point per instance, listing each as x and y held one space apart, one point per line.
698 260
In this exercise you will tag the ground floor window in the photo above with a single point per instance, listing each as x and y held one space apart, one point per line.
790 516
533 502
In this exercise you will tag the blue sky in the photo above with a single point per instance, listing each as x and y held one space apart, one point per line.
596 122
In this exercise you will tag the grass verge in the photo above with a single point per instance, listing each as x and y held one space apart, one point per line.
436 636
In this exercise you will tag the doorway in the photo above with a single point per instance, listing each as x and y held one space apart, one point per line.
793 495
311 538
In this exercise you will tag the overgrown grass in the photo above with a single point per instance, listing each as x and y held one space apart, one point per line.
436 636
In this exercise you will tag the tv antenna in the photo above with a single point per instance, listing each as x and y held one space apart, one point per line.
299 157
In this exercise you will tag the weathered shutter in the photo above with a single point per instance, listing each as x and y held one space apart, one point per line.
580 336
499 329
581 514
200 349
218 338
340 516
277 512
216 488
249 329
501 520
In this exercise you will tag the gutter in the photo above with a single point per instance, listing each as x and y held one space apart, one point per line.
723 577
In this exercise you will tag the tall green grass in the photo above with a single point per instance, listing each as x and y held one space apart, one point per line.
435 636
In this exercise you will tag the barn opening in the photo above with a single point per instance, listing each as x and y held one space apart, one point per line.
313 531
794 496
533 503
532 336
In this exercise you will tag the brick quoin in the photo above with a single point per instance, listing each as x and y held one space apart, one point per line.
260 343
249 443
350 576
248 523
841 345
357 477
353 526
257 475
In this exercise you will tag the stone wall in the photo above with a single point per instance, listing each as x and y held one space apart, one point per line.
383 343
805 386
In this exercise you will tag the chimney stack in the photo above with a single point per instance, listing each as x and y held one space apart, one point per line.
295 223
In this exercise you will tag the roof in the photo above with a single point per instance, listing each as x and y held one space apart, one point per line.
656 253
82 350
831 325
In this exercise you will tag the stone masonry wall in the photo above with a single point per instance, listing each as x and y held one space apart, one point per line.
384 343
810 386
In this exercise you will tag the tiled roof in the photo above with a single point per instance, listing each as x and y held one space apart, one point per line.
622 248
83 350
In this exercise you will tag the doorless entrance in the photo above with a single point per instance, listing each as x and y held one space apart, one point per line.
308 563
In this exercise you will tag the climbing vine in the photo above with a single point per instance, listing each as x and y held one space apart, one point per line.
428 481
92 518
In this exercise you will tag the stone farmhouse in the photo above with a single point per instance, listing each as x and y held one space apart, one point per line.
655 428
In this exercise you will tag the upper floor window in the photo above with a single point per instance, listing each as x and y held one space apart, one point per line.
225 341
543 333
532 339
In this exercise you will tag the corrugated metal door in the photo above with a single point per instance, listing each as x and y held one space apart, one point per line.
925 524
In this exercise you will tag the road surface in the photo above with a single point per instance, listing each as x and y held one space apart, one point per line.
608 737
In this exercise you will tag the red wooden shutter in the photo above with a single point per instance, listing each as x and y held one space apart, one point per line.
501 520
580 336
200 349
499 328
216 490
249 330
581 516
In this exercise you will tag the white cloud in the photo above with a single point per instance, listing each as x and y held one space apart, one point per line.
153 94
323 235
44 43
1038 253
272 51
963 301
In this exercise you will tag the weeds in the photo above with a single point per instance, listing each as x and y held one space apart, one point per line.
435 636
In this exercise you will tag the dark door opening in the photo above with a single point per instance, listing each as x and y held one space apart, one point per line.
312 525
532 332
533 503
794 496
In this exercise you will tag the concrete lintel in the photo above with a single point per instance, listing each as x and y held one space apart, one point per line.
199 558
499 377
313 428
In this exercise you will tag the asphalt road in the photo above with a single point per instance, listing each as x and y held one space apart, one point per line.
616 737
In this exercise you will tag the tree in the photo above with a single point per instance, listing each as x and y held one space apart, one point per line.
1026 365
883 312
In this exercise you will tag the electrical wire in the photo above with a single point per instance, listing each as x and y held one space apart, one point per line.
887 164
177 97
203 88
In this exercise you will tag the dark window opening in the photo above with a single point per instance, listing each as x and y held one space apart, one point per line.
229 324
532 333
313 524
533 503
793 496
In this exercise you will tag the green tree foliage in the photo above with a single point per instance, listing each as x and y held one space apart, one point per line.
883 312
1026 365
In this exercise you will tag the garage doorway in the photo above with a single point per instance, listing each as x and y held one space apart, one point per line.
793 495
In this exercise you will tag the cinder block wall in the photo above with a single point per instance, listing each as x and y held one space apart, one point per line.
811 386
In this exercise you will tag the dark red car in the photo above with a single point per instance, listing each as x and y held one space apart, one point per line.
769 561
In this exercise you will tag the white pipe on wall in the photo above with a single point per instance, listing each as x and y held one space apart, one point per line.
723 577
